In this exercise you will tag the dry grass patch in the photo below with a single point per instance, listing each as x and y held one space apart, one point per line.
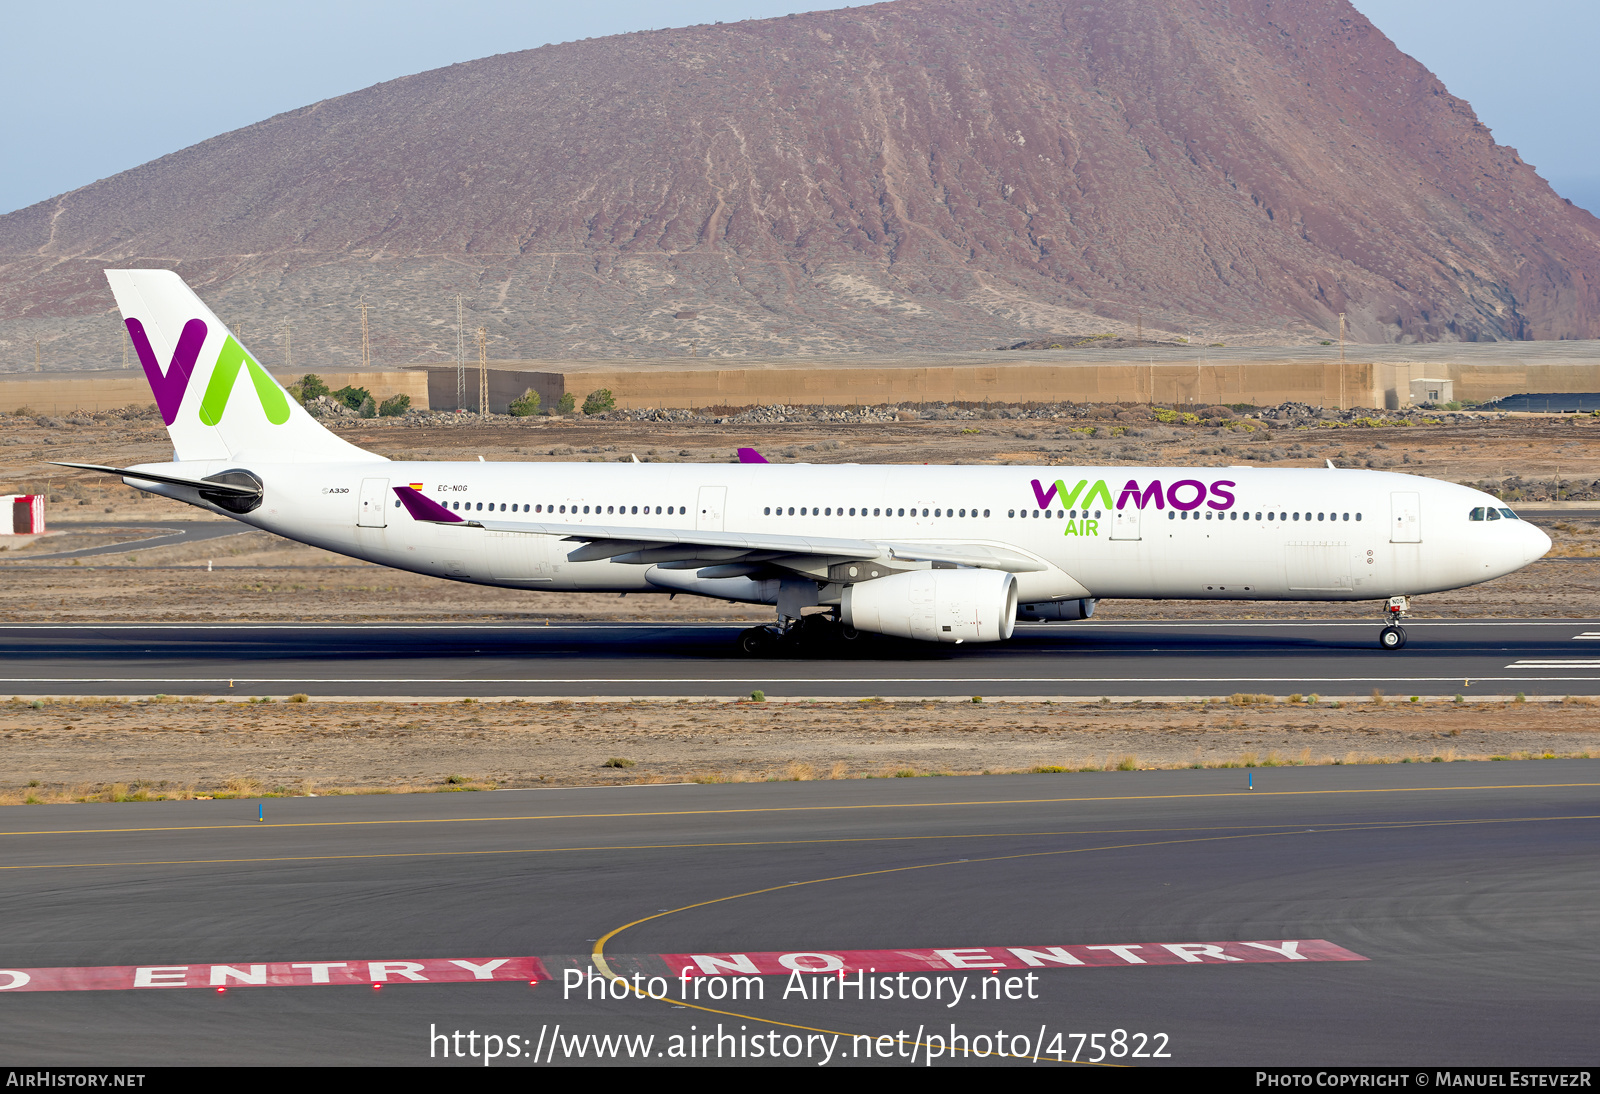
1244 699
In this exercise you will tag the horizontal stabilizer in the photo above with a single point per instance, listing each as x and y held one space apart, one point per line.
169 480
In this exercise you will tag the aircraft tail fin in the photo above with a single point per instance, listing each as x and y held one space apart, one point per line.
216 399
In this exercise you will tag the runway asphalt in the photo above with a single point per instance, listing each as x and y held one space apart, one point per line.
1442 657
1464 896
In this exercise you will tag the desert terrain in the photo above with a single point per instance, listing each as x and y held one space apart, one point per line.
918 176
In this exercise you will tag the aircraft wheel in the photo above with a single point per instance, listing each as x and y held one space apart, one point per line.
849 634
1392 638
756 642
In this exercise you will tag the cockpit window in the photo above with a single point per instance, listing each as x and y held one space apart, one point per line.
1476 514
1494 514
1508 514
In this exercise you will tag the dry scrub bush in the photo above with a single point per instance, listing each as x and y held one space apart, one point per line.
1243 699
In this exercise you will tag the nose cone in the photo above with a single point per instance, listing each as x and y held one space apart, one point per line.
1532 542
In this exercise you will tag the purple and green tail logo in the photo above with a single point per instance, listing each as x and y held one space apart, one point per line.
170 386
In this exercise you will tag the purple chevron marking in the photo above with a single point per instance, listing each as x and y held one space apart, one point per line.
1044 496
422 507
169 386
750 455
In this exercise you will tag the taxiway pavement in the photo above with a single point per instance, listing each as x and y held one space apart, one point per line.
161 533
1469 890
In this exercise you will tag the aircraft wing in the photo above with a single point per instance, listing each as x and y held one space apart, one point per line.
687 548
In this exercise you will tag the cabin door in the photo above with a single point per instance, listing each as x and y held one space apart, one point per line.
374 504
1125 523
1405 517
708 511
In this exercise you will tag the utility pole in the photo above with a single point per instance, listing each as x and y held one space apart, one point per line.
37 367
1141 325
366 341
288 360
124 340
1341 361
483 373
461 359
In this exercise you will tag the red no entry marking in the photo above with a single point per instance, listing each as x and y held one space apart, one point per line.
489 970
275 974
985 958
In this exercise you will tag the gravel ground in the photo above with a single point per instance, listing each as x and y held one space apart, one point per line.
64 750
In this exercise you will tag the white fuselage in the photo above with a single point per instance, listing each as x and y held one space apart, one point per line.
1122 532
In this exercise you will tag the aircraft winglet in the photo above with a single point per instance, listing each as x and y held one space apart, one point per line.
422 507
750 455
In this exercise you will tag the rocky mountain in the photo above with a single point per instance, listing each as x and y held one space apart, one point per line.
916 175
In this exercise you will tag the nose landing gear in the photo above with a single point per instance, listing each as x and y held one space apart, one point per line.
1393 636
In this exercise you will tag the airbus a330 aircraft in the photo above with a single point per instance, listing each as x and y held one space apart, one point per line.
938 554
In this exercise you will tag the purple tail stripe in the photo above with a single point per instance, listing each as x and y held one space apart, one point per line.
169 387
750 455
424 508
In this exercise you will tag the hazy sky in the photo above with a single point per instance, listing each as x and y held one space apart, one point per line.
91 89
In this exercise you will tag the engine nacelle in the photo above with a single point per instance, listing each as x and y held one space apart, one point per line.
1056 611
935 605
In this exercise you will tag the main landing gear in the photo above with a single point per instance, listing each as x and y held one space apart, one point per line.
1393 637
813 632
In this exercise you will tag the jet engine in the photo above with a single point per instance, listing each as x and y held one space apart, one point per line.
935 605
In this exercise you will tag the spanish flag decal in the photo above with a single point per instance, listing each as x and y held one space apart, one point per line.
416 486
